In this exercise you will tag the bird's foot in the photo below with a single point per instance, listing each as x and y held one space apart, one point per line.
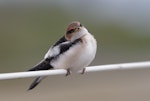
83 71
68 72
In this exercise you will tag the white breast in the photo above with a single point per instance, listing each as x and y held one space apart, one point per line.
78 56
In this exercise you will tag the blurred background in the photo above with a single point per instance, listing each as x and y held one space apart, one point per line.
121 27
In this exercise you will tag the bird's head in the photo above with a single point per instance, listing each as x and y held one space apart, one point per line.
75 30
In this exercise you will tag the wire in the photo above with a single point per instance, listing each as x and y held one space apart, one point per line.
121 66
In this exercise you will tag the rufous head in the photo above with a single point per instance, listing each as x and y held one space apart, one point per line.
74 30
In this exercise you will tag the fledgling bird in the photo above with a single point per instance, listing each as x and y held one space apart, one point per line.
73 52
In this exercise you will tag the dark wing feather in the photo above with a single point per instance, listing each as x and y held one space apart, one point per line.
43 65
67 46
61 40
64 47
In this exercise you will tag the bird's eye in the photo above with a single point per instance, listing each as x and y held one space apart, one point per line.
70 31
80 25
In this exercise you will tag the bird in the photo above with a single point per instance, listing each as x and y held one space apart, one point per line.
73 52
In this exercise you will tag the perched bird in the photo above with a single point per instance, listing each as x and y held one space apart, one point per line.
73 52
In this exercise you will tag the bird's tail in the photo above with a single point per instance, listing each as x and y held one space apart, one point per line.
43 65
36 82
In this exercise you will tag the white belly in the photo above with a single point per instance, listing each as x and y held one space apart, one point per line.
78 56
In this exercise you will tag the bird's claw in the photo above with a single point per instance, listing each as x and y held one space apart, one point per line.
83 71
68 72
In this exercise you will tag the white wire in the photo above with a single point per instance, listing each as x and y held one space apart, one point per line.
4 76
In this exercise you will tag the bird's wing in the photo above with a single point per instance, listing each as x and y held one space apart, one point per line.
55 51
60 48
45 63
61 40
